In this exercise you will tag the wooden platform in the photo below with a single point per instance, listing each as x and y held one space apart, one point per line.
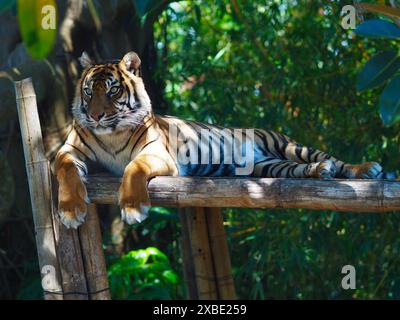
338 195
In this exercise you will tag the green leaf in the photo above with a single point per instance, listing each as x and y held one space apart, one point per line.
378 69
220 54
94 14
36 20
6 4
389 102
379 29
170 276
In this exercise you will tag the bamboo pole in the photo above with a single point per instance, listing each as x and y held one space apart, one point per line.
337 195
39 179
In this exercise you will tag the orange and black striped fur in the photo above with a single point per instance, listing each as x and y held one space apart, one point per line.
114 126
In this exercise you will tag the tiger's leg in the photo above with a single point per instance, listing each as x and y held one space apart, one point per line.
72 196
133 196
291 150
278 168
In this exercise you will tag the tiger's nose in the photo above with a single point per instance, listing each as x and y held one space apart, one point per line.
97 116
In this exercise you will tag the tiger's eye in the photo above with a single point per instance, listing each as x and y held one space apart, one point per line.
87 91
114 90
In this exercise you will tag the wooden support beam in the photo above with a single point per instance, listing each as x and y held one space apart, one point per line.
206 261
198 258
220 254
69 253
93 256
338 195
188 266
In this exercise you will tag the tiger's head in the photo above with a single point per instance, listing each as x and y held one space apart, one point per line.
110 96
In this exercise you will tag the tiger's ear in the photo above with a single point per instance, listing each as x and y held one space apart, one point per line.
85 60
131 62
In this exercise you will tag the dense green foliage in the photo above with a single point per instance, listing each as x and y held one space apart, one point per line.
288 66
144 274
151 273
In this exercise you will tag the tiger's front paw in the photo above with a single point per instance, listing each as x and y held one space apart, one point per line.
132 214
72 213
368 170
134 206
72 206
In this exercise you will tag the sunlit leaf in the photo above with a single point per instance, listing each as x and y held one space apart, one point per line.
378 69
94 14
37 23
170 276
220 54
389 102
378 28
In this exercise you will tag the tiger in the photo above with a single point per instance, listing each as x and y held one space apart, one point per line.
114 125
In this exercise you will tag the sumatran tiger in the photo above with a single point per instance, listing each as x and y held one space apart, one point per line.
114 125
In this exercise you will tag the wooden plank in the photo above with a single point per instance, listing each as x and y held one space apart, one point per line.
220 254
338 195
39 179
93 255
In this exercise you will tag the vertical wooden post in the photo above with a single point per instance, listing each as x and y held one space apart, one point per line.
207 267
70 256
189 272
93 256
39 179
76 256
220 253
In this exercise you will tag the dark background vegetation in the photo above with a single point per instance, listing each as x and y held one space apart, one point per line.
284 65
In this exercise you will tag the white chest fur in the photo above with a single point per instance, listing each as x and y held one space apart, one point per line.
113 150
